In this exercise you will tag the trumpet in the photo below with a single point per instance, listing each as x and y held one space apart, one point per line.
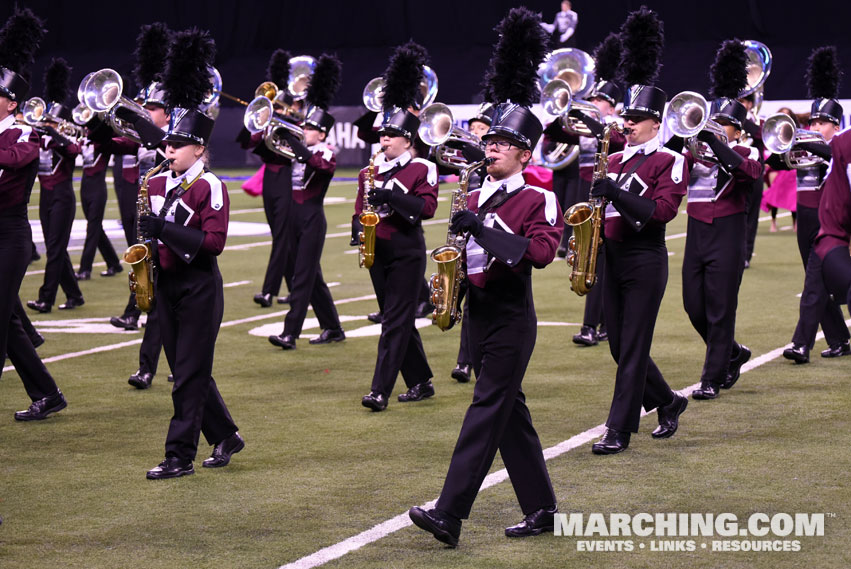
373 93
102 93
780 134
437 129
260 117
688 114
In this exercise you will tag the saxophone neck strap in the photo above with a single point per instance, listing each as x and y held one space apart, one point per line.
497 199
624 177
177 192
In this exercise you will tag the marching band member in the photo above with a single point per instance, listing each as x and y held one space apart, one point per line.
831 245
816 306
513 228
645 185
19 152
312 174
564 26
716 237
189 209
405 194
57 203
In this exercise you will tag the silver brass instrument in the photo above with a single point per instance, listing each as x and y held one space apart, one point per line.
759 68
369 219
688 114
301 70
557 99
576 68
140 255
82 114
102 93
210 104
373 93
445 284
780 134
260 116
36 115
437 129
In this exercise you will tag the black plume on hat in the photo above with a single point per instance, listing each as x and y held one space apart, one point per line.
278 70
607 55
186 78
403 76
325 81
151 52
643 41
729 73
19 40
522 46
56 78
824 73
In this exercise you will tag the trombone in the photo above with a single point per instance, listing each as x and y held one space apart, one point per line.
101 92
437 129
373 93
260 117
780 134
687 115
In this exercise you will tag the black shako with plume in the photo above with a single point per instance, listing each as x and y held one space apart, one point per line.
152 45
607 56
728 77
823 77
278 69
324 84
57 78
186 81
402 80
643 40
19 39
511 82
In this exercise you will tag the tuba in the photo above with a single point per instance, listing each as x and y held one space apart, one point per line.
780 134
140 255
445 284
369 219
437 129
688 114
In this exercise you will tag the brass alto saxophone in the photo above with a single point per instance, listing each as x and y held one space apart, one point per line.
586 218
445 284
140 255
368 219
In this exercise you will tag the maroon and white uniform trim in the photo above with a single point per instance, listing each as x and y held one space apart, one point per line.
18 148
705 202
311 178
835 209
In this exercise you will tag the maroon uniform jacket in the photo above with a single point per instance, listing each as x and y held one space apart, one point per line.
413 176
311 178
533 213
834 212
18 149
713 192
661 177
205 205
56 164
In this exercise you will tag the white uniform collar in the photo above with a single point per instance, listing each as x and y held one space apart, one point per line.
648 147
385 165
193 172
7 123
490 186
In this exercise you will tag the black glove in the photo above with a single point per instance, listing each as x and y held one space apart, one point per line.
676 143
466 220
727 157
472 154
706 136
378 197
597 128
357 227
605 188
820 149
60 140
151 226
753 129
299 149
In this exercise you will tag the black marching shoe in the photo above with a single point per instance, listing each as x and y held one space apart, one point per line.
128 322
224 450
837 350
535 523
669 417
171 467
83 275
439 524
328 336
284 299
587 337
707 390
141 379
264 300
736 364
602 335
462 372
424 310
39 306
561 252
612 442
375 317
418 392
798 353
111 271
284 341
374 401
171 378
72 303
40 409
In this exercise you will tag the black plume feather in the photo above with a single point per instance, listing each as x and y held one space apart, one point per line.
325 81
403 75
608 57
729 73
186 79
522 46
824 73
278 70
56 78
19 40
643 40
151 52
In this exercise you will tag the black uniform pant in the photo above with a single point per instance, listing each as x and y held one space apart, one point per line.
567 186
712 268
308 238
26 323
277 200
464 355
752 205
126 193
636 275
152 344
594 299
93 200
190 303
503 329
15 245
57 208
397 275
